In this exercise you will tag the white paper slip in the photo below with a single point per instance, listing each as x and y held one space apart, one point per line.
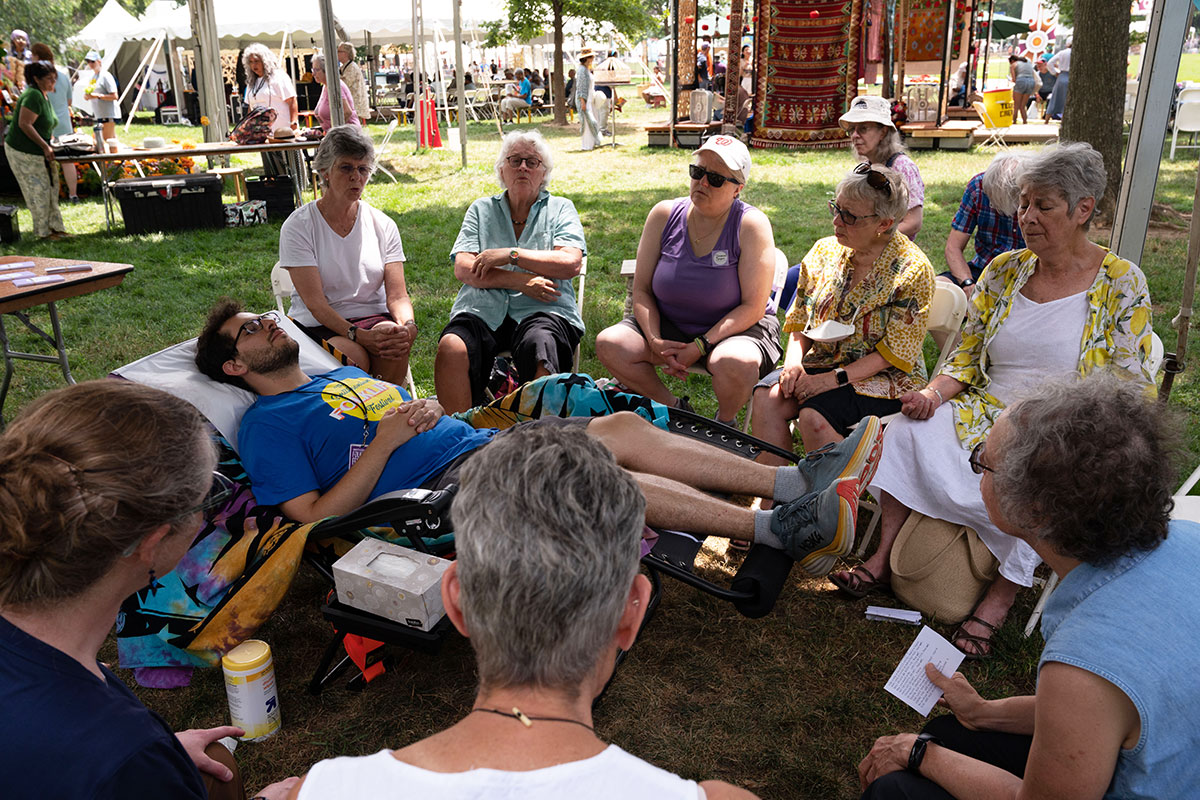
38 281
909 682
14 276
69 268
884 614
16 265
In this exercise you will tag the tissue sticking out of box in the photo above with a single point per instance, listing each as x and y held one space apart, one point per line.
393 582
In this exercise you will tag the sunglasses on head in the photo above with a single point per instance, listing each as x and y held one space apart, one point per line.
715 179
875 179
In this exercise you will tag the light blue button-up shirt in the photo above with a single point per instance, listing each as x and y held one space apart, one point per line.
552 222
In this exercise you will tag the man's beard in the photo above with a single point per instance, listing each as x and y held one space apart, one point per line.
276 359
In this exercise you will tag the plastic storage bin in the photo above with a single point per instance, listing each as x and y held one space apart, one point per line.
171 203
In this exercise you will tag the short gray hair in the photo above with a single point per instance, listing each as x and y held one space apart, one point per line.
1000 181
534 140
548 531
317 60
891 205
1089 464
343 141
1074 171
270 62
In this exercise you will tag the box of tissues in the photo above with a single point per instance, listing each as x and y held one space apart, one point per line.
391 581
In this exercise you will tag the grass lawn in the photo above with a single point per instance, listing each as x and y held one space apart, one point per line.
786 705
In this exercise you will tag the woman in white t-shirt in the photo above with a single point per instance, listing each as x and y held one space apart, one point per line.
268 85
346 261
547 590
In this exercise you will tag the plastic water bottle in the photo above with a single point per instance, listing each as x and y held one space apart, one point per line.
98 133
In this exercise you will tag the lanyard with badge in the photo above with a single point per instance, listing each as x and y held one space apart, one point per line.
356 450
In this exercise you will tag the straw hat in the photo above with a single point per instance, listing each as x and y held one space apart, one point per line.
585 54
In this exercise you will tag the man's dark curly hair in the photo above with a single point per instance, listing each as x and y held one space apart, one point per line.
1089 464
214 348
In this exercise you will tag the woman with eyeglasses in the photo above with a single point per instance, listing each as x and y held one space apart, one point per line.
1063 305
876 140
515 254
324 115
103 486
857 324
701 292
346 261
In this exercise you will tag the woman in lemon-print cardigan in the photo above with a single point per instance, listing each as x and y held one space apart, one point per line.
1064 305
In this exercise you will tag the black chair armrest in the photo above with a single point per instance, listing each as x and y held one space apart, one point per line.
415 513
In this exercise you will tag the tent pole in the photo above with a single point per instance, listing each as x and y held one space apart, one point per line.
460 88
333 75
154 51
208 60
987 48
173 66
416 73
146 59
947 53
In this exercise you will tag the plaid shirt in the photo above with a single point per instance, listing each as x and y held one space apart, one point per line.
994 232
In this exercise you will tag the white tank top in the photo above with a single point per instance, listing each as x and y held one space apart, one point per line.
612 773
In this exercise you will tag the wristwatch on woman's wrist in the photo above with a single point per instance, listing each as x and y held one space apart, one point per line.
512 256
352 333
965 282
917 754
840 376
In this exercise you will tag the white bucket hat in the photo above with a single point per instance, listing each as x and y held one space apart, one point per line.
732 152
868 108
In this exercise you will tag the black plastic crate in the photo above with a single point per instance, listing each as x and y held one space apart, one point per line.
277 191
171 203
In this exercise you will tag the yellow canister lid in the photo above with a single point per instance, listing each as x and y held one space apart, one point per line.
247 655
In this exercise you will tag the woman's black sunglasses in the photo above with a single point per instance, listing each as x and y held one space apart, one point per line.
976 460
875 179
715 179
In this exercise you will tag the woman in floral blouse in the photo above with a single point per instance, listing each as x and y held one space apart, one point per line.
857 323
1064 305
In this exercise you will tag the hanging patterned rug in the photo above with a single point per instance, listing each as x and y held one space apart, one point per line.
927 29
807 73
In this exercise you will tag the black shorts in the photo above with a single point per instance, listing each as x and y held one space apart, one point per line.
450 473
764 334
842 407
541 339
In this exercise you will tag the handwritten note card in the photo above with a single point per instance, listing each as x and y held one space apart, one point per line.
909 682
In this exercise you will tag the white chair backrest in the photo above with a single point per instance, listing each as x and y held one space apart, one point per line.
579 305
780 278
946 312
538 92
281 286
1187 116
1188 95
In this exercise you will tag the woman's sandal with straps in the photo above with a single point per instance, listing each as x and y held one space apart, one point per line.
854 585
983 645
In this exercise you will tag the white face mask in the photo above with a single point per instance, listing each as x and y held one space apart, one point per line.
830 331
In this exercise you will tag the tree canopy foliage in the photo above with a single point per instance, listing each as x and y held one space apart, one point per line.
54 21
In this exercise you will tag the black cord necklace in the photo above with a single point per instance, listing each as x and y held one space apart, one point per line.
357 401
528 721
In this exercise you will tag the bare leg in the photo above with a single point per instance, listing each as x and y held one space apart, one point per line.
734 366
640 447
71 175
815 430
392 370
772 421
894 514
625 354
451 374
675 506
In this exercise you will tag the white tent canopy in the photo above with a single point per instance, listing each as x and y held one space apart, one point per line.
113 23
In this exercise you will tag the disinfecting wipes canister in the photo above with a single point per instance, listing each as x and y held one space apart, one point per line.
250 686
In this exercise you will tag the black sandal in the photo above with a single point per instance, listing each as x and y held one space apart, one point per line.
984 643
855 586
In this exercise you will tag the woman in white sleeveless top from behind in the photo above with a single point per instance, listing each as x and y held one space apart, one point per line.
546 586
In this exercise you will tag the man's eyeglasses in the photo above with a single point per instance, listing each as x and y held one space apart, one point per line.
253 326
219 492
715 179
976 460
533 162
847 217
875 179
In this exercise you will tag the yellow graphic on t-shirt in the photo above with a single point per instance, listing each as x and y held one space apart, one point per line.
349 397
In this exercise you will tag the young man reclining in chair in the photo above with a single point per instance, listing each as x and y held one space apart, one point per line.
324 445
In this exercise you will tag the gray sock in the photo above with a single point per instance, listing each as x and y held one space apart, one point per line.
790 483
762 530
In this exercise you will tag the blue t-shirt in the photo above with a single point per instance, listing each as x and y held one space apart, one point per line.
526 90
65 733
302 441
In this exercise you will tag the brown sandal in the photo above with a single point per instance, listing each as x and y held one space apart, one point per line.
855 586
984 650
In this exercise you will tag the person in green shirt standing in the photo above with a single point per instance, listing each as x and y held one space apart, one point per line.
30 156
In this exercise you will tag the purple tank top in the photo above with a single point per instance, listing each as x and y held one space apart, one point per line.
692 292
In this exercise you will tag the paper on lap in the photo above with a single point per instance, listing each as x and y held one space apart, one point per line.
909 682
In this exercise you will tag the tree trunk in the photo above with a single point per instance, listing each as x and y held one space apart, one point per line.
1096 94
560 106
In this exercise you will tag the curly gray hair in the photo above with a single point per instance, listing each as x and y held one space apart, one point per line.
547 529
1074 171
269 61
891 205
1089 464
343 141
1000 181
534 140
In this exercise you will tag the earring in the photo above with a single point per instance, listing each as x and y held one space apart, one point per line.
154 584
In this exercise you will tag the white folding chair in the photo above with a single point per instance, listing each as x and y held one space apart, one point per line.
387 139
1187 119
995 135
282 286
1131 90
1185 507
947 310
